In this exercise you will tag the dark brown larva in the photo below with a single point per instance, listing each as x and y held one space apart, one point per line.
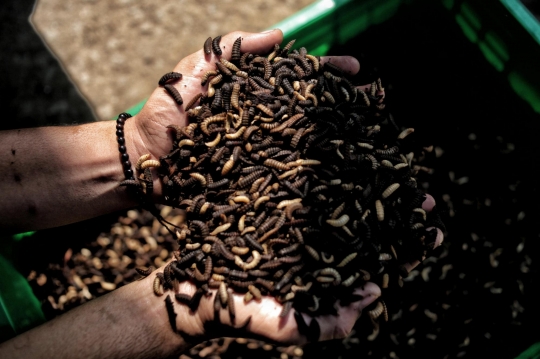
231 307
268 170
168 77
208 46
215 46
183 298
235 52
145 272
171 313
192 101
223 69
133 183
174 94
287 47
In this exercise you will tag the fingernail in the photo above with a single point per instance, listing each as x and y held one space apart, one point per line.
267 31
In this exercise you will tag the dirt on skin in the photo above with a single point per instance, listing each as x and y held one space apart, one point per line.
115 51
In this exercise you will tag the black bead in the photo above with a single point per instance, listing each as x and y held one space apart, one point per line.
120 121
129 174
121 140
122 149
119 126
126 164
119 133
125 157
123 115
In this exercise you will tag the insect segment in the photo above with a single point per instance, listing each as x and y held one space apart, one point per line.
215 46
208 46
174 94
168 77
235 53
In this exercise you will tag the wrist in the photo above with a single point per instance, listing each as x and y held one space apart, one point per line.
189 329
136 146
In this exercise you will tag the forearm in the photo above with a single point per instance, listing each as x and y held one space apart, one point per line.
130 322
53 176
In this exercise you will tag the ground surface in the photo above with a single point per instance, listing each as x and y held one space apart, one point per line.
115 51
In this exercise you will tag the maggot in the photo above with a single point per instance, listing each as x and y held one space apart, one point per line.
347 260
169 76
312 252
215 142
349 281
220 229
248 230
192 246
375 313
421 211
405 133
235 52
223 295
149 163
174 94
260 200
327 259
301 162
385 280
332 272
208 46
380 210
391 189
255 292
227 167
338 211
199 177
140 161
186 142
157 286
206 75
340 222
288 202
240 250
217 51
247 266
229 65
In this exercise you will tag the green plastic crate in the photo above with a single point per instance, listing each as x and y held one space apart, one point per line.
505 32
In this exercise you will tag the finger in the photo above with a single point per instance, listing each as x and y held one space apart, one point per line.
367 89
428 203
438 241
340 325
256 43
348 64
197 63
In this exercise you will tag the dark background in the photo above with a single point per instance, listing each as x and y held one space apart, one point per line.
34 90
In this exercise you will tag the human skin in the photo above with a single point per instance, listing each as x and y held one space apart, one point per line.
59 175
52 176
132 322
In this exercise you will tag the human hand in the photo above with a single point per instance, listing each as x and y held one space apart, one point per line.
147 133
261 320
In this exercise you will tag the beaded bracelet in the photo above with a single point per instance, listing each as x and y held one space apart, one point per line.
124 157
136 191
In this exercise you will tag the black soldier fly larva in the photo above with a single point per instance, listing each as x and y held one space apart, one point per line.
288 174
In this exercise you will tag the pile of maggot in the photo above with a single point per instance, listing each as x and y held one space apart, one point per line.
293 181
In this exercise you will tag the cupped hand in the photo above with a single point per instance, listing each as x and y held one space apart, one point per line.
147 133
260 319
